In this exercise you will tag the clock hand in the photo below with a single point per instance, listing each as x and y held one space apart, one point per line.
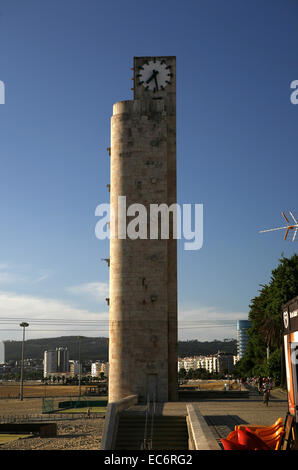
155 72
156 85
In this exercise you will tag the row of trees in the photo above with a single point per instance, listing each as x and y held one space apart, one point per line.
193 374
266 332
85 379
28 375
57 379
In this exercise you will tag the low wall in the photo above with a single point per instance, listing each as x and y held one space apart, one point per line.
81 403
200 436
42 429
112 419
185 395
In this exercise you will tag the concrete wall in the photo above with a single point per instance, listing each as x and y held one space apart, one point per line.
112 419
199 435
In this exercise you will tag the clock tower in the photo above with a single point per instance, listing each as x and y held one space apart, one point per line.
143 272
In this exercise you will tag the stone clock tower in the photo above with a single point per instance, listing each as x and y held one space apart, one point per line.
143 272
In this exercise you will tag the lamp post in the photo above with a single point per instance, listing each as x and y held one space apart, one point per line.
79 367
23 325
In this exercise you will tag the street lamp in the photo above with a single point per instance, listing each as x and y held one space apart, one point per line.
23 325
79 338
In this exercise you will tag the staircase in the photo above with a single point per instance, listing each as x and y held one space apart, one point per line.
168 433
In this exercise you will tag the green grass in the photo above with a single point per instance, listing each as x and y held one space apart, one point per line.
12 437
95 409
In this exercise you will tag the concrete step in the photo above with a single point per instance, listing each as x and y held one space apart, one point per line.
163 441
156 423
164 430
137 443
169 432
155 448
162 419
156 436
142 425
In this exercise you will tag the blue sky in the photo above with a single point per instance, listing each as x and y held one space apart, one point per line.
64 63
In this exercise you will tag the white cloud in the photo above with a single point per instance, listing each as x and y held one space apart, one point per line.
21 274
47 317
99 290
50 317
42 277
208 323
6 276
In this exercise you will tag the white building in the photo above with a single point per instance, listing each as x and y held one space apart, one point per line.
208 363
211 363
201 363
62 359
99 367
49 362
106 369
74 368
2 352
187 363
235 359
95 369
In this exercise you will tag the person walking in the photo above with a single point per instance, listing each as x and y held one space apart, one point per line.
266 393
260 384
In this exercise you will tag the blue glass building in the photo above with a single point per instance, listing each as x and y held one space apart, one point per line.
242 337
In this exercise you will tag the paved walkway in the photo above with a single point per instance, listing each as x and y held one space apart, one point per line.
223 414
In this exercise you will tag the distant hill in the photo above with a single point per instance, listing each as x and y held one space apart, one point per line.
197 348
91 348
97 348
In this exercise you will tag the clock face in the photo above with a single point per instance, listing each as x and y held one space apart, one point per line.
154 75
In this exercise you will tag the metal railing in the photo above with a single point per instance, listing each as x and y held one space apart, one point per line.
148 438
47 417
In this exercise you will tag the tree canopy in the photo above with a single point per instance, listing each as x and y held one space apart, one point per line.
266 329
